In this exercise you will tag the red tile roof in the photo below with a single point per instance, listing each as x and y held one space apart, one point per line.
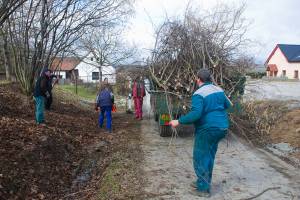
66 64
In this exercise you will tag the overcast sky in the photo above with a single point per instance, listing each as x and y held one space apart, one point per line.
272 21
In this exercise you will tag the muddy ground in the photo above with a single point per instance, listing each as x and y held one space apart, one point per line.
70 157
243 167
241 171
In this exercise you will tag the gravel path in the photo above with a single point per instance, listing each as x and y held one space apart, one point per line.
241 171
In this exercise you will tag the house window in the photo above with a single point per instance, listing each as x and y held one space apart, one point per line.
296 74
284 73
95 75
92 59
68 74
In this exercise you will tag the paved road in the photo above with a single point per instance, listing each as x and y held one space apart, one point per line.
241 171
272 90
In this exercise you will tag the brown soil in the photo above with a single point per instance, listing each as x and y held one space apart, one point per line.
270 122
69 157
287 129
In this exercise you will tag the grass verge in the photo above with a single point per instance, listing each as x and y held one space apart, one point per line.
83 92
111 185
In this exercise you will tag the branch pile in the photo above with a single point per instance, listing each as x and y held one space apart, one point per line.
209 41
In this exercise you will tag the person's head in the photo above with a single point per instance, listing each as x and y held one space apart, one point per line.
46 72
203 76
105 80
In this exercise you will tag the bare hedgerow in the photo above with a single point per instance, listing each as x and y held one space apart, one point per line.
258 118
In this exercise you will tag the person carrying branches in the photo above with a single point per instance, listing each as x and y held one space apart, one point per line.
209 116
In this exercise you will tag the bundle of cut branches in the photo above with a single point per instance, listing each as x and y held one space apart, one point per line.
212 41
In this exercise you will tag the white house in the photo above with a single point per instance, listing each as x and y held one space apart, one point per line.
88 70
284 61
65 68
85 69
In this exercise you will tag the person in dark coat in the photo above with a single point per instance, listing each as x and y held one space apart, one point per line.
40 93
48 100
104 103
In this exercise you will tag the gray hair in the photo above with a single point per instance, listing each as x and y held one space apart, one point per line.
204 75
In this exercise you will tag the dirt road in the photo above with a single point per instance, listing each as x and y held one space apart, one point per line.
240 172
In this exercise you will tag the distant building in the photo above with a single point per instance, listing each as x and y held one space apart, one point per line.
88 70
284 61
85 69
65 68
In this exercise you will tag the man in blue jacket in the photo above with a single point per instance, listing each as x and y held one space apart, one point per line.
208 114
104 102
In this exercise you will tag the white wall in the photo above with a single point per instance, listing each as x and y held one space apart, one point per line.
89 65
282 64
61 73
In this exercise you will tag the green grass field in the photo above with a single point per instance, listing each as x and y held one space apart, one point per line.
82 91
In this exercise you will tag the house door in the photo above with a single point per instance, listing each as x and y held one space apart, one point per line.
296 76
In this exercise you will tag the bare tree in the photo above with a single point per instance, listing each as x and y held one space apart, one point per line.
40 30
107 47
7 7
6 55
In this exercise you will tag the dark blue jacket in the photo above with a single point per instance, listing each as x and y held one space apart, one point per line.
209 104
105 97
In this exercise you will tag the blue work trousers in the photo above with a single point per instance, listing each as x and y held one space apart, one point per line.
105 112
39 109
205 148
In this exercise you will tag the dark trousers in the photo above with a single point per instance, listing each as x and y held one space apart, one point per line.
48 102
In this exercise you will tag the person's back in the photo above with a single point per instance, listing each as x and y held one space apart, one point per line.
105 96
105 101
215 104
208 114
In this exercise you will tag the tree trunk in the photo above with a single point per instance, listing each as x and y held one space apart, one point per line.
100 73
7 59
